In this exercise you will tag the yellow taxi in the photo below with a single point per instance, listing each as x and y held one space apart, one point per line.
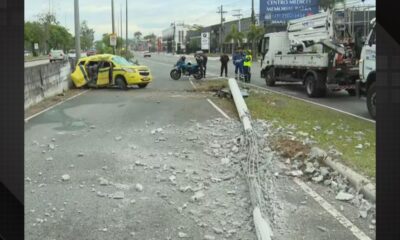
106 70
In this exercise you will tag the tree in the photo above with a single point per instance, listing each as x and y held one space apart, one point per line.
325 4
47 19
234 36
151 38
137 35
33 33
254 35
87 36
59 38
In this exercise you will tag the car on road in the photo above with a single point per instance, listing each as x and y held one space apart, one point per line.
27 53
147 54
57 55
107 70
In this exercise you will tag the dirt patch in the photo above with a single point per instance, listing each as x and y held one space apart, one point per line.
48 102
290 148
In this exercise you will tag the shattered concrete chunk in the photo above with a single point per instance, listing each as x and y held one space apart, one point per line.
317 153
118 138
309 168
118 195
218 230
182 235
139 187
65 177
343 196
197 196
103 181
318 179
295 173
209 237
49 159
225 161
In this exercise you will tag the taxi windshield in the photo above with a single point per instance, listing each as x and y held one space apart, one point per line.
121 61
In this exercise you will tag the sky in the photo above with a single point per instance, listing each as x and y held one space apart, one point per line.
147 16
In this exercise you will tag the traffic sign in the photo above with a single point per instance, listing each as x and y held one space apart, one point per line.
113 39
36 46
205 41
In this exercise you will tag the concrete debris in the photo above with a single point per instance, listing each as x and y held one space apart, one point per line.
49 159
364 208
103 181
197 196
209 237
317 153
235 149
51 146
295 173
318 179
65 177
343 196
119 138
322 229
225 161
100 194
118 195
185 189
215 145
138 163
309 168
182 235
218 230
359 146
139 187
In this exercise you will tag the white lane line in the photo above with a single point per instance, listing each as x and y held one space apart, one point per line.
218 109
194 86
331 210
307 101
47 109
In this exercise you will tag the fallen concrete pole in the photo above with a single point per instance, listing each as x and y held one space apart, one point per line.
262 225
358 181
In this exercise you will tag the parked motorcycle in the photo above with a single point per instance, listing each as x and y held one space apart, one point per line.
185 69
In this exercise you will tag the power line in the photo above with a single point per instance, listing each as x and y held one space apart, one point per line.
239 16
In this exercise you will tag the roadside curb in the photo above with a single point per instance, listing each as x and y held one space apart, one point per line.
358 181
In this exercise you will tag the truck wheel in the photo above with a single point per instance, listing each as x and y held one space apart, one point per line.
311 86
270 78
371 100
120 82
352 92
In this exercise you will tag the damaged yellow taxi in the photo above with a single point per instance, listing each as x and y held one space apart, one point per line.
106 70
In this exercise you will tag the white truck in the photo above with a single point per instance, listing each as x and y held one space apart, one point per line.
365 85
315 50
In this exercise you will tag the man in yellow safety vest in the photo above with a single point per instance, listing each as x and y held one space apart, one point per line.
247 66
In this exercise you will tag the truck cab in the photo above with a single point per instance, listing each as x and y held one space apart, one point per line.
367 70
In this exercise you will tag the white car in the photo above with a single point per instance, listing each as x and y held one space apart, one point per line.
147 54
56 55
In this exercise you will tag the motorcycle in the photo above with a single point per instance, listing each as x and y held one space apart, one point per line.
185 69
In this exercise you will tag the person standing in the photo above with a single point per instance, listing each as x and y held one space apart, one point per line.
237 59
224 59
205 59
247 66
200 63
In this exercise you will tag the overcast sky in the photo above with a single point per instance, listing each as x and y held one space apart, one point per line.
147 16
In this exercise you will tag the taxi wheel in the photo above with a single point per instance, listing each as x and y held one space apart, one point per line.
142 85
120 81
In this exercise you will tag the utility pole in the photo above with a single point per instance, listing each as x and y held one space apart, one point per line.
239 15
253 18
77 30
120 13
173 39
126 30
221 11
113 26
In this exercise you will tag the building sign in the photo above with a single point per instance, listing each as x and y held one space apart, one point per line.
205 41
36 46
281 11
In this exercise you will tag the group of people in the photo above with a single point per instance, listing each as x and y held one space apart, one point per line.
242 62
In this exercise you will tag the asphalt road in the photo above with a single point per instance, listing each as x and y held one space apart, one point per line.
337 100
85 157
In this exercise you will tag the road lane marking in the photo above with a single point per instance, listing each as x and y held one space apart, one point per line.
47 109
307 101
331 210
194 86
218 109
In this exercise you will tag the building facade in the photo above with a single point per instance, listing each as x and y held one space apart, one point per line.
174 38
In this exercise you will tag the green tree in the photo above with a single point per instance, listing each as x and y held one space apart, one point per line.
47 19
137 35
87 36
33 33
151 38
254 35
234 36
59 38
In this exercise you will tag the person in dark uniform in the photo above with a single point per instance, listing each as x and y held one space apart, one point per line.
205 59
200 62
224 59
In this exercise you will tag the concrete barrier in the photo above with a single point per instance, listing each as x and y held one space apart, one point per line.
45 81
